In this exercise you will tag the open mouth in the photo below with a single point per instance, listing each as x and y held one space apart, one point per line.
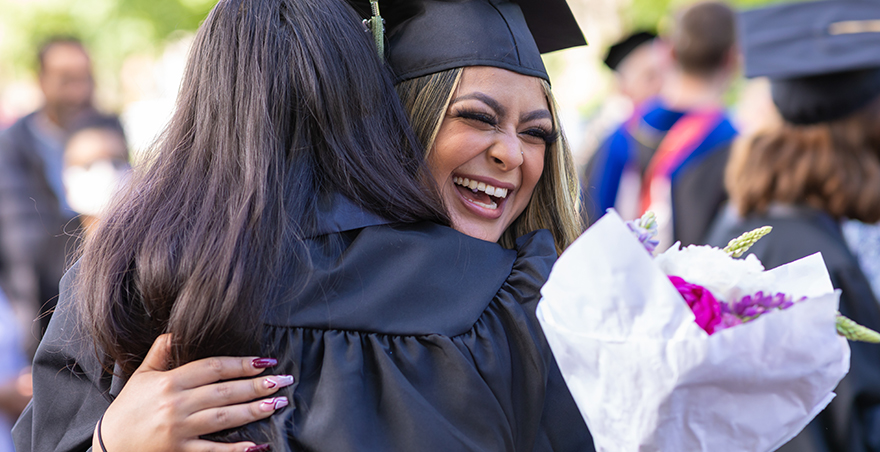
480 193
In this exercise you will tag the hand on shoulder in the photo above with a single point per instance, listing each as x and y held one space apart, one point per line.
168 410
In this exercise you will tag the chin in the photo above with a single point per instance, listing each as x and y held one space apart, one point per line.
478 232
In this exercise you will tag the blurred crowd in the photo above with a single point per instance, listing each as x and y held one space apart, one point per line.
59 166
708 160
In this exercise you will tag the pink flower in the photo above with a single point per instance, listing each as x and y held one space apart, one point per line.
706 308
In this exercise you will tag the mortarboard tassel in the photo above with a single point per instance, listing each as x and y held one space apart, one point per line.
377 26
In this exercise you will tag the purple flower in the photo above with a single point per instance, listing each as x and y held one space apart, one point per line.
645 230
751 311
727 320
751 307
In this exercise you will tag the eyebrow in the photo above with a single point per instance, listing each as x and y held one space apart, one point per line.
537 114
493 104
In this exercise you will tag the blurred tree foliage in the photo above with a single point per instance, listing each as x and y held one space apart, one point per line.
111 29
114 29
653 14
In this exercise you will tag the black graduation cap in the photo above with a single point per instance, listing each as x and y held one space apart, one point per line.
622 49
428 36
823 57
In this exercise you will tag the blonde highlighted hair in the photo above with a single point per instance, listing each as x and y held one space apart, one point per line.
554 203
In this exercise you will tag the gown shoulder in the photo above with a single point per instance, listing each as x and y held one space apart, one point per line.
406 337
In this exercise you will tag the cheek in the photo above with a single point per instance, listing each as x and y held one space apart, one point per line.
533 170
439 171
451 150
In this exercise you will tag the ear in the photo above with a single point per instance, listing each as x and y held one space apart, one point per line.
732 60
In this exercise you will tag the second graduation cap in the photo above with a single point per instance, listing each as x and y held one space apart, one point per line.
821 57
618 52
429 36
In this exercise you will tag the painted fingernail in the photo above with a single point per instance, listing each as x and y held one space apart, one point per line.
278 381
262 363
273 404
258 448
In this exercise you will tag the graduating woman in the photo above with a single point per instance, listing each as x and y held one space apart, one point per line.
817 167
288 214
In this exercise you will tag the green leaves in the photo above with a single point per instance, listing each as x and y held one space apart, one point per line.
111 29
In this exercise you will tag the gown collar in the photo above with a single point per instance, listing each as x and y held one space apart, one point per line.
337 213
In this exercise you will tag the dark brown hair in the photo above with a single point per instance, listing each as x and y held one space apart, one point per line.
832 166
703 37
283 103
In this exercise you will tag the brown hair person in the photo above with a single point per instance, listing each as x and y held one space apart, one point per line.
832 166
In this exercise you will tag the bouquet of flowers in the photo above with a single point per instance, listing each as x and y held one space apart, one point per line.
694 349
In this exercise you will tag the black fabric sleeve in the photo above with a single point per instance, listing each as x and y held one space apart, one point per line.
697 197
71 390
563 426
858 420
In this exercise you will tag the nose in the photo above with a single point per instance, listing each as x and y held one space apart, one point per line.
506 152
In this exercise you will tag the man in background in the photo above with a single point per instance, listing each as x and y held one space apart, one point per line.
33 211
639 63
639 66
669 157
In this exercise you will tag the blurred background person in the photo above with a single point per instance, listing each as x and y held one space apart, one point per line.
96 163
15 382
33 207
639 65
669 157
808 173
864 241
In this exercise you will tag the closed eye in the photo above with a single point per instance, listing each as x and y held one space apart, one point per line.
473 115
545 135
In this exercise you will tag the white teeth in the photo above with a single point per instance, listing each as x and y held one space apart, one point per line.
481 186
492 206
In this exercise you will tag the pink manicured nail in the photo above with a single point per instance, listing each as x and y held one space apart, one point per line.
258 448
262 363
278 380
273 404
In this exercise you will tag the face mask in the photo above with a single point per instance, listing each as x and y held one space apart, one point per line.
89 188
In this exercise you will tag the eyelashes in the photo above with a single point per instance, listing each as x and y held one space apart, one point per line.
475 115
546 135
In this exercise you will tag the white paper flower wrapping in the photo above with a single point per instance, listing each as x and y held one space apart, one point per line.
646 377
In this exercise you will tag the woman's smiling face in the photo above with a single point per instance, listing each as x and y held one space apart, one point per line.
488 155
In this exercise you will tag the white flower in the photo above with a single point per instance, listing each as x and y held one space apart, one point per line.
727 278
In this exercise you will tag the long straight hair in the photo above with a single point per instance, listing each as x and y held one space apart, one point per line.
554 204
283 102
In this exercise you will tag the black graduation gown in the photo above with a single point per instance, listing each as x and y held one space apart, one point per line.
407 337
698 195
851 423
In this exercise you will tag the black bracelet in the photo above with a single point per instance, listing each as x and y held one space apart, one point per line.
101 440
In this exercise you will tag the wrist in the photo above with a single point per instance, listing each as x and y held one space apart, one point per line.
97 440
